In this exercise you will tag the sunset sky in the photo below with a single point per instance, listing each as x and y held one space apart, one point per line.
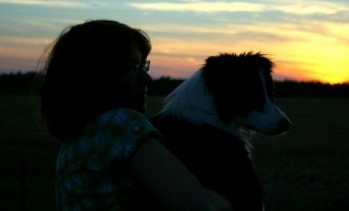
308 40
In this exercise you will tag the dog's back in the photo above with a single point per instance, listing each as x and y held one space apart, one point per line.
219 159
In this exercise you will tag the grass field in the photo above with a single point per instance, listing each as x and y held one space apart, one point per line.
305 169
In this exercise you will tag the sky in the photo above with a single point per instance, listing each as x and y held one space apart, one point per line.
308 40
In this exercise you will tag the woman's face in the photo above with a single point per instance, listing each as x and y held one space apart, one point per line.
132 86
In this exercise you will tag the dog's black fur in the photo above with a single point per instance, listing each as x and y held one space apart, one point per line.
198 124
218 158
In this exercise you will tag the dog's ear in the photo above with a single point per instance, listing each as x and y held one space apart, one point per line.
234 81
259 60
220 62
224 76
220 69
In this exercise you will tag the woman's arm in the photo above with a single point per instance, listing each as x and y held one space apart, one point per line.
170 182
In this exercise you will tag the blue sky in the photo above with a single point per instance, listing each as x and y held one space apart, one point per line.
307 39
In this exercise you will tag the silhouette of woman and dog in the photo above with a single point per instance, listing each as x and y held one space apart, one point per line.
93 99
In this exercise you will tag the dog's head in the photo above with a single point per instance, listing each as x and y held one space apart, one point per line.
242 91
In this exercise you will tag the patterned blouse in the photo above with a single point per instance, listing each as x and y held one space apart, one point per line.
92 170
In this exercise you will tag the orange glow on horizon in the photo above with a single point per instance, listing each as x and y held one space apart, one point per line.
307 57
326 65
312 69
310 65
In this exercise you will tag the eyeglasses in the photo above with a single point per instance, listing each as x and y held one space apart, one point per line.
136 69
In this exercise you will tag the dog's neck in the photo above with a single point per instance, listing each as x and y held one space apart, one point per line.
193 102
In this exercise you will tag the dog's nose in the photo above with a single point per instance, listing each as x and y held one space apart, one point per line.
284 124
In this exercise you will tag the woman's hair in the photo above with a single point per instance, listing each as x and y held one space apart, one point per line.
80 70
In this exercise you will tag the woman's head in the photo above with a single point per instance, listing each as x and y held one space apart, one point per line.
93 67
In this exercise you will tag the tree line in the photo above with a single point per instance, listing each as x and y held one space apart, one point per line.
25 83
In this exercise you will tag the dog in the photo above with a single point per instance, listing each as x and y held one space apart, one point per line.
203 119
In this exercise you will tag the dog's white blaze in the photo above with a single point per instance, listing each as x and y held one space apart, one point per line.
192 101
265 121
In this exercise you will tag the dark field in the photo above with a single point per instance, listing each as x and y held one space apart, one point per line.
305 169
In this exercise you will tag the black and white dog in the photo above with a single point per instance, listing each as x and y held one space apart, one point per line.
202 119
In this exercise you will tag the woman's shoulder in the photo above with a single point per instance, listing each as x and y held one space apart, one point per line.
121 114
123 124
124 118
114 134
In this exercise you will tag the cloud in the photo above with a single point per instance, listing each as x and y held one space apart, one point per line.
299 8
65 4
312 7
199 6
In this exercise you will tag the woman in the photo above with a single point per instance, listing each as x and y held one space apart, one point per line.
93 96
